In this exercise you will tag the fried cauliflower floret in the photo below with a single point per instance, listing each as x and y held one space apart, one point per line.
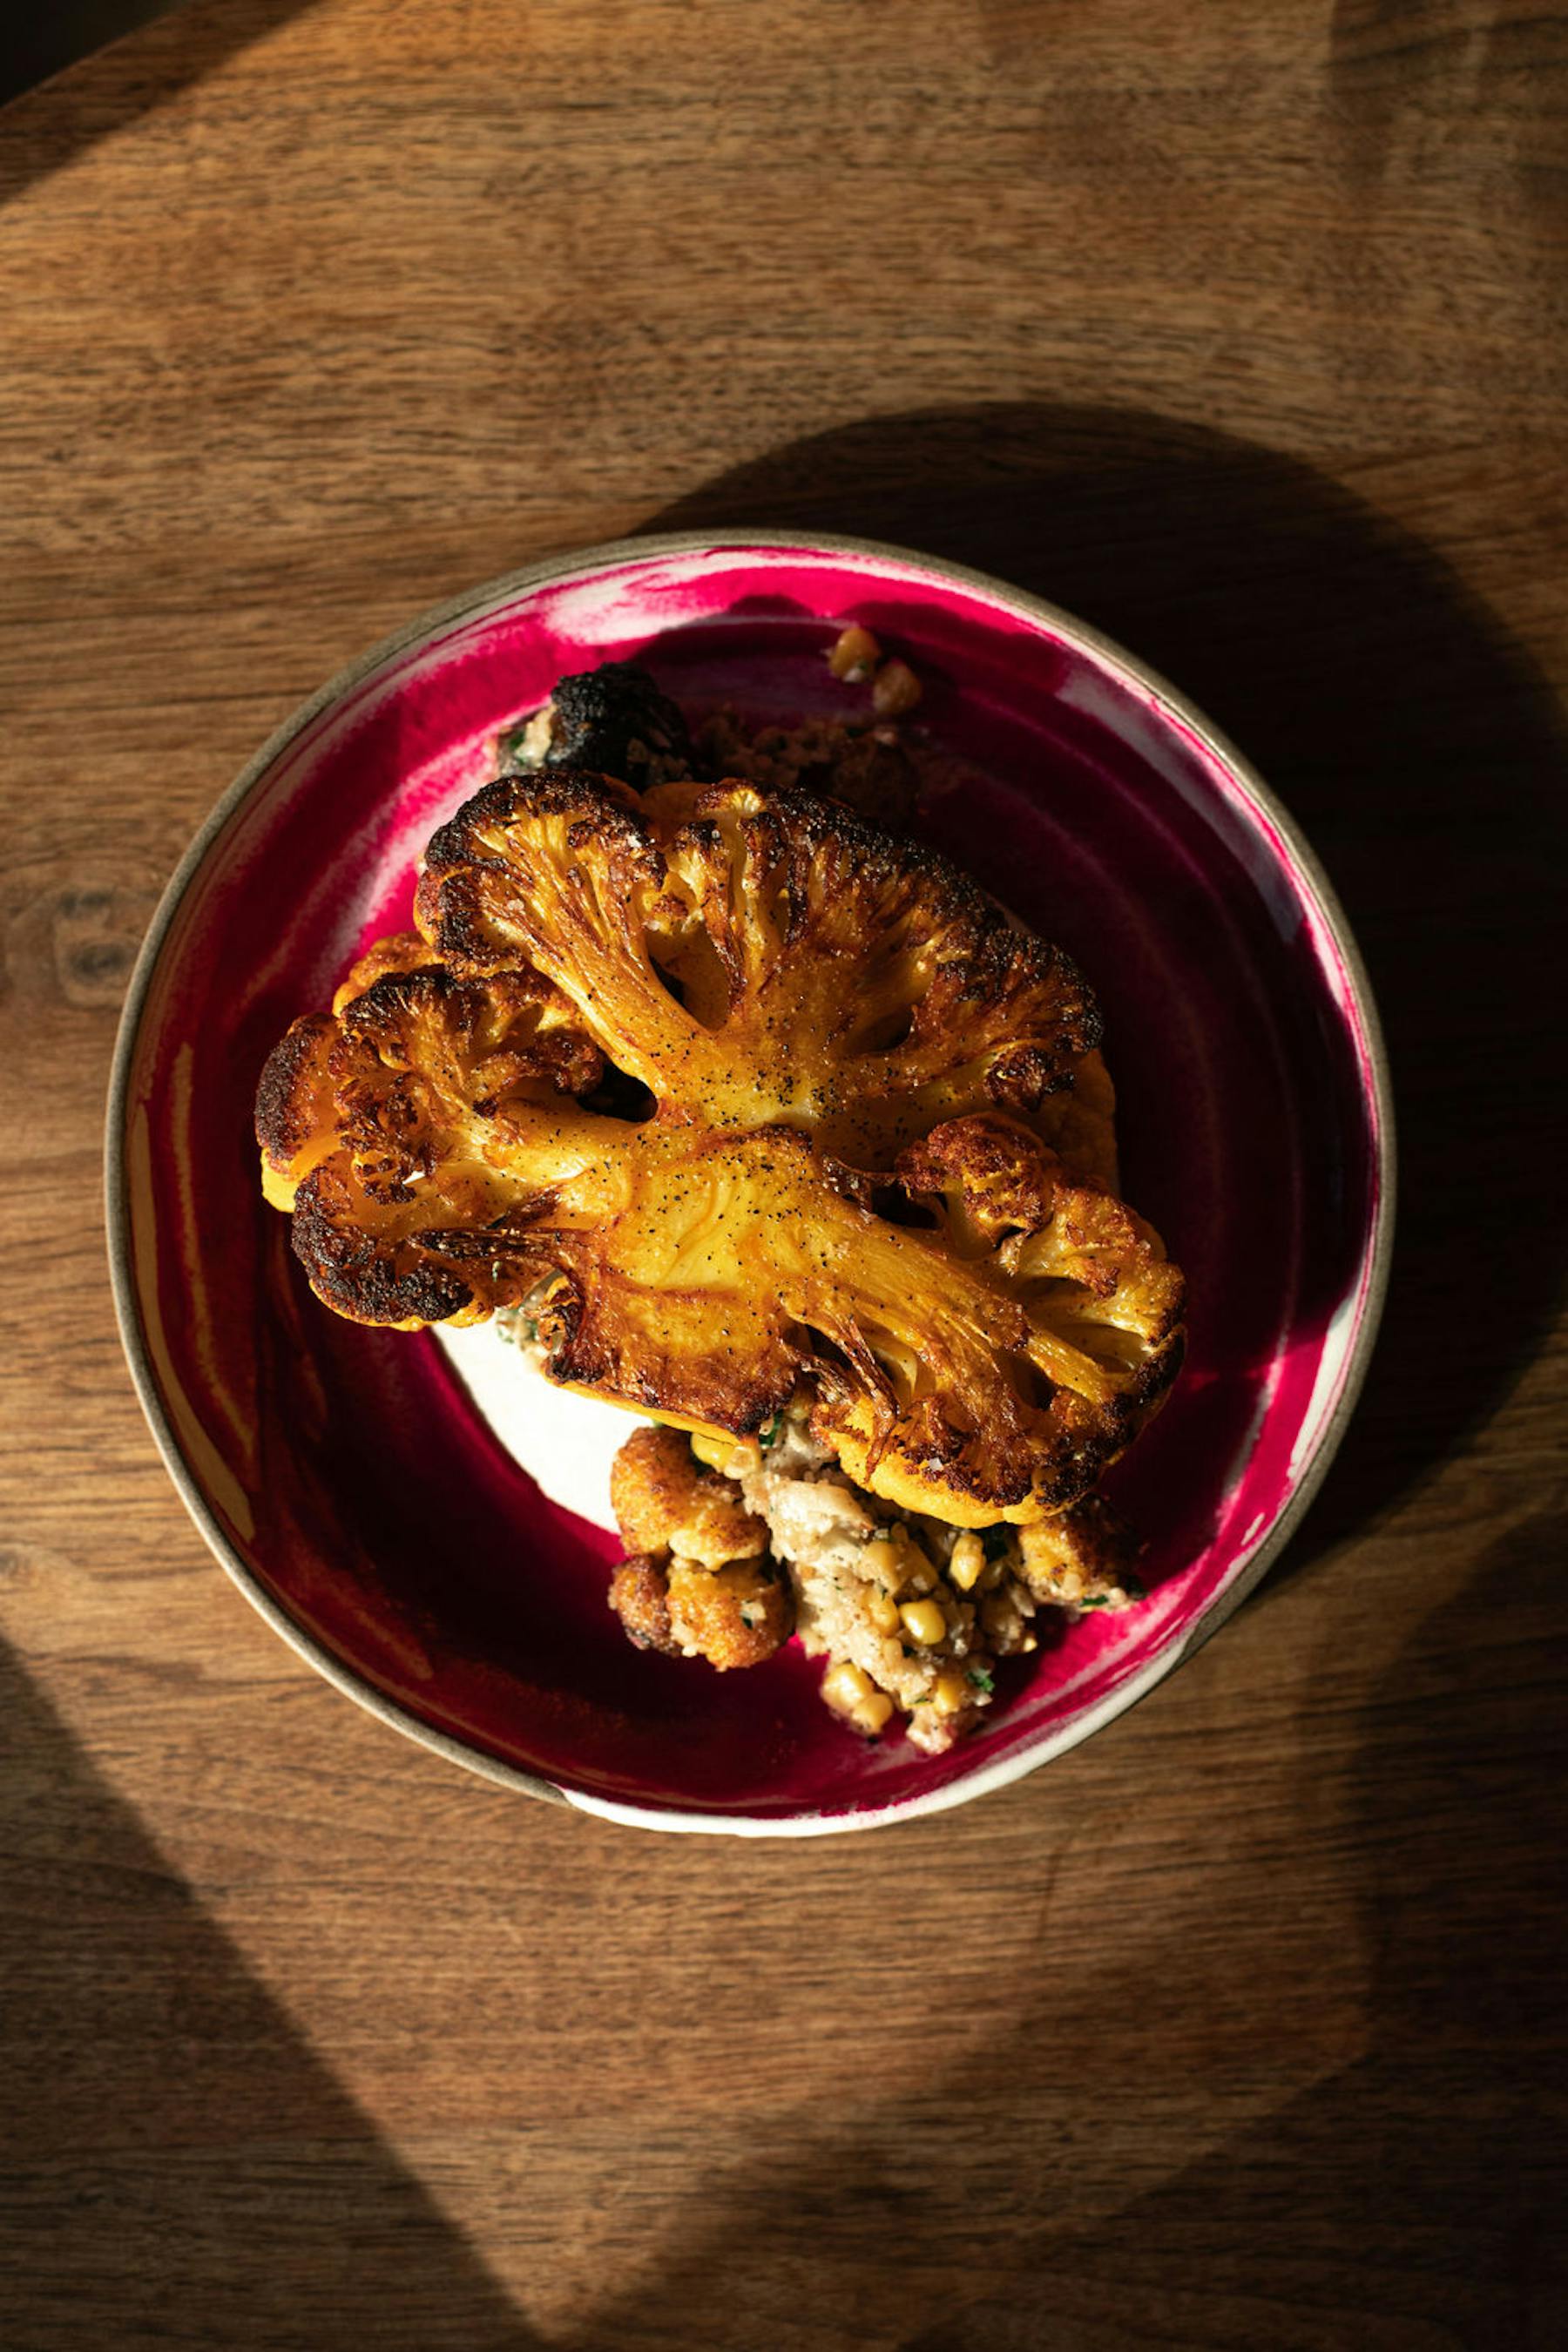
1085 1559
733 1616
665 1501
910 1617
639 1595
698 1582
847 1184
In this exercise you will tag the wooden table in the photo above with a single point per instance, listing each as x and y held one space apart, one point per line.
1239 331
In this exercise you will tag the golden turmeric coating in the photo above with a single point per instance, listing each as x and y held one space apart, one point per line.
665 1501
863 1171
1084 1557
697 1582
733 1616
399 951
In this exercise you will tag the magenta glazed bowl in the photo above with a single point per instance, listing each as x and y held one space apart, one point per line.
344 1478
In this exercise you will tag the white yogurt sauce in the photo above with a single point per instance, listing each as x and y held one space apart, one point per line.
565 1442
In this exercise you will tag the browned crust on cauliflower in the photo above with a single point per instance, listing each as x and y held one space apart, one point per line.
853 1058
733 1616
698 1582
639 1595
790 925
380 1128
665 1501
293 1097
1084 1557
399 951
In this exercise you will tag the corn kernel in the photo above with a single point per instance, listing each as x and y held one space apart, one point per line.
879 1558
968 1562
871 1715
882 1610
923 1622
951 1692
845 1688
854 655
894 689
717 1450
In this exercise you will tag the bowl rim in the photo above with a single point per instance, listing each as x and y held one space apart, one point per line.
1106 651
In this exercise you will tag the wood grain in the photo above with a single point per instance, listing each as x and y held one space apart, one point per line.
1240 330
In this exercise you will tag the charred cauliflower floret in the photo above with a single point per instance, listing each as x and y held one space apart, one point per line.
698 1582
612 720
379 1129
857 1067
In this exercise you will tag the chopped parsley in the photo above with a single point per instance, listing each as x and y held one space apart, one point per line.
982 1680
770 1432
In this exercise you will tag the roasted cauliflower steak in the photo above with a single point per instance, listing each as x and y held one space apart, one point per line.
855 1159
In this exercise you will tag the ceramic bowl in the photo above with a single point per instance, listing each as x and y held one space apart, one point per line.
346 1479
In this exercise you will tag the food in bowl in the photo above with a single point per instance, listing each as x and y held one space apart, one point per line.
734 1545
743 1112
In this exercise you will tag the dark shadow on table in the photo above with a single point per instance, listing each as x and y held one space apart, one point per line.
44 128
1414 2198
1439 2161
40 42
1421 751
176 2165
